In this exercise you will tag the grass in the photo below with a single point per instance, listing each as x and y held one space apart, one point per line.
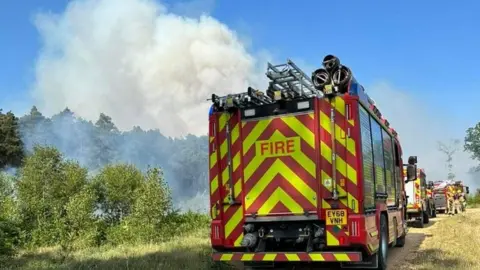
453 243
191 252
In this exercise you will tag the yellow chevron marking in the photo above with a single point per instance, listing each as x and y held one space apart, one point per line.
350 201
332 240
247 257
212 138
326 205
226 257
225 176
235 133
238 242
296 125
339 104
259 128
213 159
238 188
302 159
236 161
311 115
341 257
214 185
223 149
317 257
269 257
344 168
279 195
233 221
223 120
292 257
278 167
340 134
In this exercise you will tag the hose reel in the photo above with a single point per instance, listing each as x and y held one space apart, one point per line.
333 77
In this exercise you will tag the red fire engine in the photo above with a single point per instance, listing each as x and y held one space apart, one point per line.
307 173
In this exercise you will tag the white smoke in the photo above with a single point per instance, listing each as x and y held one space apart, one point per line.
139 64
421 126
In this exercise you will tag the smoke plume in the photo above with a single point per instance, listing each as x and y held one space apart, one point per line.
138 63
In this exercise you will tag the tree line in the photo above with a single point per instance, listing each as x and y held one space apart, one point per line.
75 183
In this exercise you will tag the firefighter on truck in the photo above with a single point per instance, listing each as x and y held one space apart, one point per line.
308 172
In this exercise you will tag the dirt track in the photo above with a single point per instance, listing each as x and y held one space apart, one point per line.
415 237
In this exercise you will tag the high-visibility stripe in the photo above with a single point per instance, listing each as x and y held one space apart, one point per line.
285 182
290 256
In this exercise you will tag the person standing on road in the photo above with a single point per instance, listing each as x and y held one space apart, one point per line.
450 201
456 203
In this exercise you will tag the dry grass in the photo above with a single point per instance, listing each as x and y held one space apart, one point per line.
452 243
190 252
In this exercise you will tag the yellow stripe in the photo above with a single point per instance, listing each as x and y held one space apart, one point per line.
214 185
269 257
236 161
279 195
238 242
332 240
339 104
247 257
326 205
233 222
278 167
259 128
225 176
223 120
223 149
317 257
238 188
235 133
212 138
340 134
292 257
226 257
300 129
344 168
341 257
213 159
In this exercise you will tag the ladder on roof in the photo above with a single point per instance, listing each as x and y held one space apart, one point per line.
287 81
290 80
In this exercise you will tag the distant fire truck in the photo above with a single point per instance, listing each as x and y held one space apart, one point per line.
420 206
309 172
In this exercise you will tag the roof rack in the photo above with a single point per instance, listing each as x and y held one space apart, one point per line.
287 82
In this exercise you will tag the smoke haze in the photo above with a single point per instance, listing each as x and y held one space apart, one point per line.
138 63
145 66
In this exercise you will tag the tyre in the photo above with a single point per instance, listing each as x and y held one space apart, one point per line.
421 221
426 218
383 247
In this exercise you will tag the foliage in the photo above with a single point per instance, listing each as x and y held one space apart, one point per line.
11 145
80 185
472 141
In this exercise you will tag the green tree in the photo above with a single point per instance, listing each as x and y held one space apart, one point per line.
11 145
472 141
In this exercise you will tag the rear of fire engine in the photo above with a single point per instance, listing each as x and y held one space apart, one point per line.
308 173
417 201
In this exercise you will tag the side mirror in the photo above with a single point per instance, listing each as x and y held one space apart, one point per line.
468 190
430 184
411 172
412 160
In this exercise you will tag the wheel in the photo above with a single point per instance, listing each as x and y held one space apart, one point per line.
426 218
383 247
421 222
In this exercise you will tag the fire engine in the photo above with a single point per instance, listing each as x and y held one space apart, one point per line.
308 172
440 193
419 205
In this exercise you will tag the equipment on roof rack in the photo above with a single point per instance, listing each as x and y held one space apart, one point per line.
333 78
287 82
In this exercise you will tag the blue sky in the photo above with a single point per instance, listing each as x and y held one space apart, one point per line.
427 48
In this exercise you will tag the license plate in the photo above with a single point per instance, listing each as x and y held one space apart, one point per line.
336 217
